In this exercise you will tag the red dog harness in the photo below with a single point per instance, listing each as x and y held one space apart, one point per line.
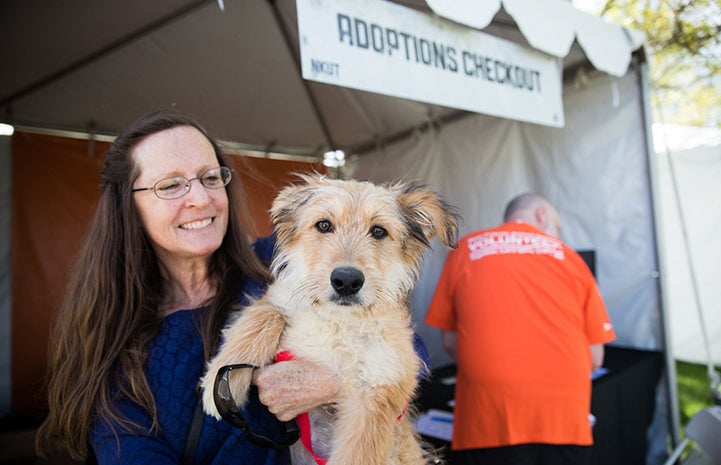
304 421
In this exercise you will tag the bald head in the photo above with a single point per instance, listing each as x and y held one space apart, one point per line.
534 209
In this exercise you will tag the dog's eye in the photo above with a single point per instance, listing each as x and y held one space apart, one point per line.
378 232
324 226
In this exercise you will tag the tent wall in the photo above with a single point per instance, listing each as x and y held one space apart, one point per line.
55 189
594 170
55 185
697 172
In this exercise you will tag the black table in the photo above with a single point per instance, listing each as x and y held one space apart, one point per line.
623 402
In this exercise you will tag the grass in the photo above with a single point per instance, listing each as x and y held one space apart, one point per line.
694 391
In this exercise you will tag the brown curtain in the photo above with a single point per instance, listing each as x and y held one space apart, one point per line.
54 192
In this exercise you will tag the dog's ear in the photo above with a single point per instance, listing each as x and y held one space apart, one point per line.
426 214
283 212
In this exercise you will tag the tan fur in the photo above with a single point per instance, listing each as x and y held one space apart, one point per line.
365 337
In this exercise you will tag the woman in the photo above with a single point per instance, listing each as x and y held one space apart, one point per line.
165 262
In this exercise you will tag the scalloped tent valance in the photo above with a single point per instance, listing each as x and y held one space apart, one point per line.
552 26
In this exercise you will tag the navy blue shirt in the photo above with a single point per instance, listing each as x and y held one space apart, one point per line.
175 365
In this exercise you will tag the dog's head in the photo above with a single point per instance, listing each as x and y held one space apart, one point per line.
353 243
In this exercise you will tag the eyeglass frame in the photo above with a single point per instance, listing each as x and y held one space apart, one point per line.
229 411
186 181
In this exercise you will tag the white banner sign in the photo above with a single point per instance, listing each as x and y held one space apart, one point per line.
386 48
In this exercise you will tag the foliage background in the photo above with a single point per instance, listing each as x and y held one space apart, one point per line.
683 39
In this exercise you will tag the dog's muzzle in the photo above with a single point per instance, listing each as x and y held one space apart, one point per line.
346 282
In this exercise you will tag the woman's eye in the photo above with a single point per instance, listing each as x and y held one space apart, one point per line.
324 226
168 185
378 232
215 179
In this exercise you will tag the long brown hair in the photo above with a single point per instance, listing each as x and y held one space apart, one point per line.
110 310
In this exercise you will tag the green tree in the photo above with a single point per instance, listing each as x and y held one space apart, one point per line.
684 40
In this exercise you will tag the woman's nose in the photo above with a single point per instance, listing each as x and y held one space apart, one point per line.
197 193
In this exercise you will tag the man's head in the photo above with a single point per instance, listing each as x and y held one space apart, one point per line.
534 209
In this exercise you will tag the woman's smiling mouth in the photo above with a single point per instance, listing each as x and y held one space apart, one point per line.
197 224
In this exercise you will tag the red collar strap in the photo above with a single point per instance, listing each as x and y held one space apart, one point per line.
304 422
302 419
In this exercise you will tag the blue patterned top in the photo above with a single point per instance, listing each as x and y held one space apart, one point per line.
175 364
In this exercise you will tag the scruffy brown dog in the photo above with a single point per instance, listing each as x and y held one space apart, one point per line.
348 254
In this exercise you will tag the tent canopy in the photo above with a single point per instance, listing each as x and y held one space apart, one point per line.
93 67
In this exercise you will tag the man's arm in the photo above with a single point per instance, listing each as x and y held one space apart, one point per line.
448 339
596 356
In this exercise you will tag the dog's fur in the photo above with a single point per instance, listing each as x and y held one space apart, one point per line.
364 335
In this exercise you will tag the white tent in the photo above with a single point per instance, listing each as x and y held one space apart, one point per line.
86 68
689 161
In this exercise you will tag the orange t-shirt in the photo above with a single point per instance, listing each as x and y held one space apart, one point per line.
526 308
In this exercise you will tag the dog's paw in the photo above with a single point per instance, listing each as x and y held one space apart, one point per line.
206 384
238 381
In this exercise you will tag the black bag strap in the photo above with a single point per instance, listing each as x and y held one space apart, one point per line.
191 440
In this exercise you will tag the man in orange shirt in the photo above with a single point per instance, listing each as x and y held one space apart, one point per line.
522 315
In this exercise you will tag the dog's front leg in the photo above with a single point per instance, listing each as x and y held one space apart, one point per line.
254 339
364 430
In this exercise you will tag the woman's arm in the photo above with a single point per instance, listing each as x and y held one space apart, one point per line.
294 387
141 447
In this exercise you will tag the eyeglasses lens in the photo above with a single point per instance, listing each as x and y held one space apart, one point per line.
173 188
216 178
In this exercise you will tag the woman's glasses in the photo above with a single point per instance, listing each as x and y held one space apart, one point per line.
230 412
174 188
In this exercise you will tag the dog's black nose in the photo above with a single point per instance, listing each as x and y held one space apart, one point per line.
347 281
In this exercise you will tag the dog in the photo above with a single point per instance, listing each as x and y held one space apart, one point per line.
348 254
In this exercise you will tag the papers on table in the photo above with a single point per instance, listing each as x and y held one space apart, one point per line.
436 423
439 423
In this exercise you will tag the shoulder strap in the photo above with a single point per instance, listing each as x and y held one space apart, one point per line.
191 440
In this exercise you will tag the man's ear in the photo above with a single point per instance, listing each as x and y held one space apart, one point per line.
540 214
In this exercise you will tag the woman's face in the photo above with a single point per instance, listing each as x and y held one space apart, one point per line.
191 227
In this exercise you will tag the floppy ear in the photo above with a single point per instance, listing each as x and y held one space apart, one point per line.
427 215
283 211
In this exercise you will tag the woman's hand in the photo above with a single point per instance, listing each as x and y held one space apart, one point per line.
294 387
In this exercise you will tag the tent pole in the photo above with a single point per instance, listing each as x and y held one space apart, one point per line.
234 148
365 147
671 387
